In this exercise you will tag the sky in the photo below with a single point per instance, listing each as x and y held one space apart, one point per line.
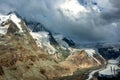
80 20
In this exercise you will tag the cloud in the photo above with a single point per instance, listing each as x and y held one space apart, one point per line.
98 22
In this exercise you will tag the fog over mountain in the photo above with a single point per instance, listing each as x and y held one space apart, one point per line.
81 20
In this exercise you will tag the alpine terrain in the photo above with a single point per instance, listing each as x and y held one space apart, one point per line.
28 53
59 40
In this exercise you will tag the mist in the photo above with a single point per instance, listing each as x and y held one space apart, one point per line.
80 20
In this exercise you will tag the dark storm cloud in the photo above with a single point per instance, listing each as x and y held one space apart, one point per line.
91 26
114 13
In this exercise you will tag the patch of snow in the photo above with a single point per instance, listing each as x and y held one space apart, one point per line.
3 30
90 53
42 40
3 20
17 21
73 50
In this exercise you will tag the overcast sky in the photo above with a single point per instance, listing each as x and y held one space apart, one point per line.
81 20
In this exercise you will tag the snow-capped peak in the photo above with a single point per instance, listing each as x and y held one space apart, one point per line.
17 21
5 19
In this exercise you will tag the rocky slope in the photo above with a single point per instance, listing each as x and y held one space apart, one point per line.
20 58
25 55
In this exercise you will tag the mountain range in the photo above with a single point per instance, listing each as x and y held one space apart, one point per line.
29 51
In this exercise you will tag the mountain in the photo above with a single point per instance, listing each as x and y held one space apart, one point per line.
83 59
49 42
20 58
39 55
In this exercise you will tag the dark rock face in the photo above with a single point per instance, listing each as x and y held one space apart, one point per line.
70 42
36 26
1 71
52 39
109 52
